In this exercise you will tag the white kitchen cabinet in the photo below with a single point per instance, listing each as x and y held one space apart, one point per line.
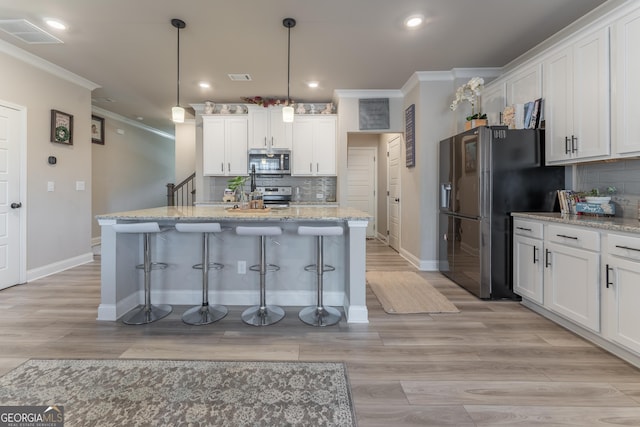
224 145
576 93
314 145
625 101
493 101
267 130
524 85
572 274
621 293
528 270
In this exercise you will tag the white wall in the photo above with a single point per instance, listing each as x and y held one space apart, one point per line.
131 170
59 222
185 150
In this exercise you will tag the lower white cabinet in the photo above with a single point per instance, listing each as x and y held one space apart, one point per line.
527 256
621 294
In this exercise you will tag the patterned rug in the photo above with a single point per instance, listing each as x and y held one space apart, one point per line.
184 393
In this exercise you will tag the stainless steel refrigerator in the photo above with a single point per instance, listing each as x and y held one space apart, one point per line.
485 174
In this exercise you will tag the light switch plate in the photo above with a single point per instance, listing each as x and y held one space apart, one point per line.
51 186
80 185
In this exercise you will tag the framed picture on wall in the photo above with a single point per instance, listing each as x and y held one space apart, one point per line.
61 127
97 130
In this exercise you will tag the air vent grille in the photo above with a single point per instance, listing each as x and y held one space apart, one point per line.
240 77
27 32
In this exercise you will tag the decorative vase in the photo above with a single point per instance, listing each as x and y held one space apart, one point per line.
470 124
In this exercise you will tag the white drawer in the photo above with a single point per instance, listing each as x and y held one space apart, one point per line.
523 227
573 236
623 246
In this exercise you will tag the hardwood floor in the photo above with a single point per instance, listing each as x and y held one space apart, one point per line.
494 363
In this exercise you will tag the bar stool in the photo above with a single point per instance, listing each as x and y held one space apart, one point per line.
147 312
319 315
263 314
203 314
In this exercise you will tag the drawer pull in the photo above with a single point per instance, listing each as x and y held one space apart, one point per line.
567 237
535 258
627 247
524 229
607 278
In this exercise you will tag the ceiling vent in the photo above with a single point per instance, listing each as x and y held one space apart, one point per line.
240 77
27 32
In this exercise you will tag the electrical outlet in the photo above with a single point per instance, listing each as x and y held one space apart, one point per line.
242 267
319 195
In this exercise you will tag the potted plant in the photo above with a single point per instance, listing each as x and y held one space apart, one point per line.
470 92
237 185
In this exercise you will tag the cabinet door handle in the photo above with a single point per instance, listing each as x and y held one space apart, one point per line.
229 167
607 277
574 143
535 258
524 229
311 167
221 166
265 141
547 252
272 141
628 248
567 237
566 145
317 167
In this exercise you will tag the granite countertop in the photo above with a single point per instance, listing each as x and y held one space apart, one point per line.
628 225
221 213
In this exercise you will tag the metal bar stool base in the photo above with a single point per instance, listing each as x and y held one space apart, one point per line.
204 314
320 316
262 316
143 315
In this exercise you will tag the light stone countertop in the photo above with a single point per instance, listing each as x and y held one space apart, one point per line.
627 225
221 213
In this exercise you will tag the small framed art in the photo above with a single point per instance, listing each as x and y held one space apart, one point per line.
97 130
61 127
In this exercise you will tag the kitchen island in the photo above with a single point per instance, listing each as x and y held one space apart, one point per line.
235 284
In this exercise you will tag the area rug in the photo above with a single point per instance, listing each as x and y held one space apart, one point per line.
184 393
403 292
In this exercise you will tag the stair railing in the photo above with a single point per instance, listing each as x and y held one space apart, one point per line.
183 194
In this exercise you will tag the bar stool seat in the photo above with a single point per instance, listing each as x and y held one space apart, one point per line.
319 315
147 312
263 314
204 313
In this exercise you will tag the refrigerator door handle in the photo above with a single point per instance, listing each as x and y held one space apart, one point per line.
445 195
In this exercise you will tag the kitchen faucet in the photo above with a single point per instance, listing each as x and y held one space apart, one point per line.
253 178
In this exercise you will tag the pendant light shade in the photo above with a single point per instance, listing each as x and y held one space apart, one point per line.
177 112
287 111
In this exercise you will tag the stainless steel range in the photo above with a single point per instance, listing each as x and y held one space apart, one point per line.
276 197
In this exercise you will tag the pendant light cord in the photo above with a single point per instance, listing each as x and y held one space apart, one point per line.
288 64
178 82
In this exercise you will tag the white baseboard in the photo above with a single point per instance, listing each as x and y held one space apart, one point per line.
383 238
56 267
422 265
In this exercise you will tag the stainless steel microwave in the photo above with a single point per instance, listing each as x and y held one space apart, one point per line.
276 161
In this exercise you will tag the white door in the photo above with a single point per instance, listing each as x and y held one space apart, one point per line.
10 203
393 189
361 186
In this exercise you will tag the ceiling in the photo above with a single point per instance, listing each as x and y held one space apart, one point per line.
128 47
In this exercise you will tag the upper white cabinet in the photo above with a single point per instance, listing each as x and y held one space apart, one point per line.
493 101
224 145
267 130
576 93
314 145
626 85
524 85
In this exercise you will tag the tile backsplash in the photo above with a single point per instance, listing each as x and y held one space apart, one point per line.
622 174
312 189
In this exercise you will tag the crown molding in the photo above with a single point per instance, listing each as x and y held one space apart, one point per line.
118 117
45 65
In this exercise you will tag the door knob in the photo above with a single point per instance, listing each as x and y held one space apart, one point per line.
397 200
16 205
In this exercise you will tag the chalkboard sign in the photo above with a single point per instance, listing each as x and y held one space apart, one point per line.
374 113
410 134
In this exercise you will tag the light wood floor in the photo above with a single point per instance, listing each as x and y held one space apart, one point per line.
494 363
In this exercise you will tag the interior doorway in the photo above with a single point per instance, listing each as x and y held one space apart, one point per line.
12 209
393 192
362 182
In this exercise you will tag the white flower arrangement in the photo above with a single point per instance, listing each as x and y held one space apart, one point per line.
470 92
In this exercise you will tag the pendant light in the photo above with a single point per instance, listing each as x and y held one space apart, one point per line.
177 112
287 111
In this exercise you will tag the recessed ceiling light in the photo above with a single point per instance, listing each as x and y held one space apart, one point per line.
204 85
413 21
54 23
140 118
312 85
